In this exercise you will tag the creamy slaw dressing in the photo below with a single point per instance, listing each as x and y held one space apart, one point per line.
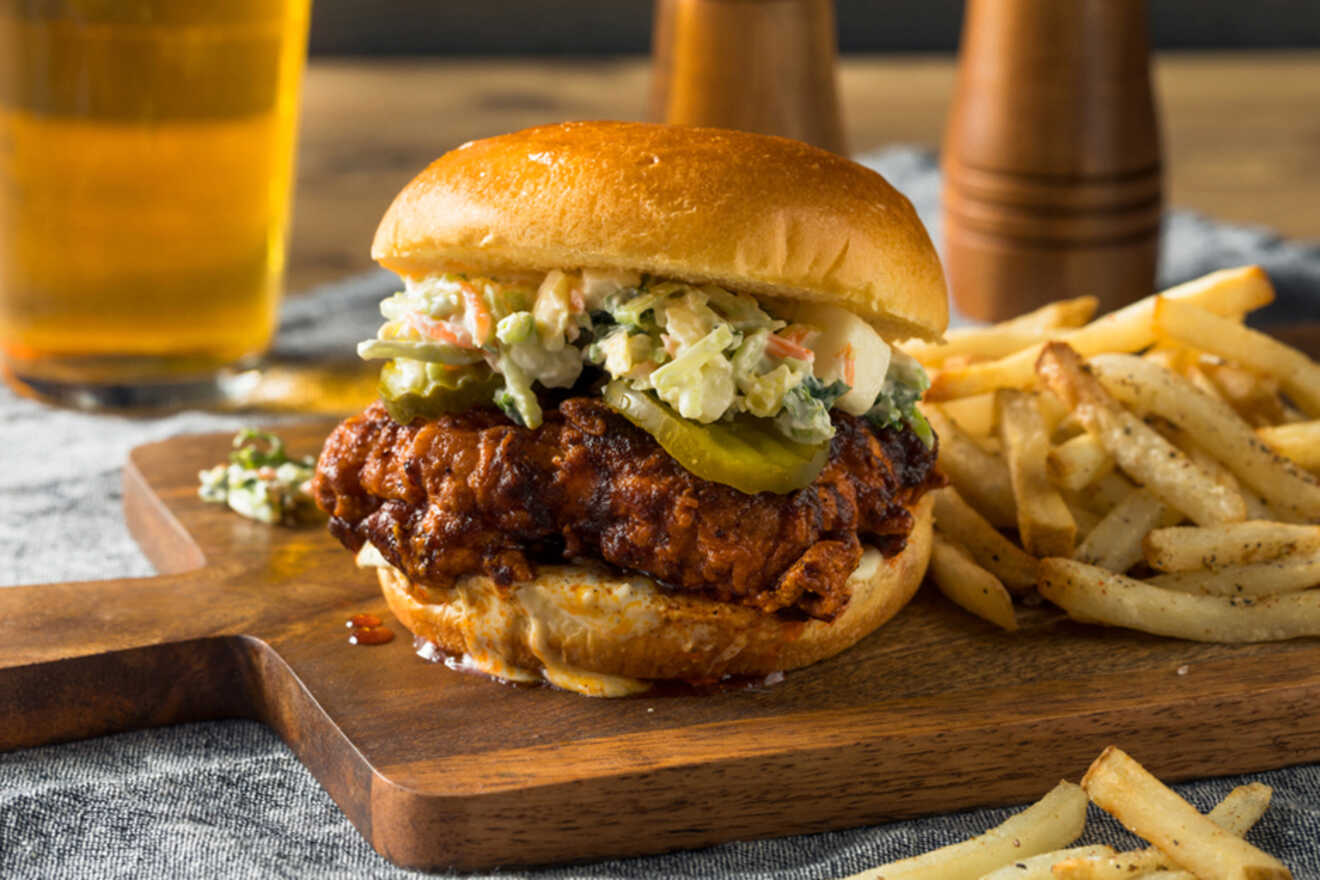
708 353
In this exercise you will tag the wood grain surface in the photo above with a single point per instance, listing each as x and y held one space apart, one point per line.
936 711
1241 132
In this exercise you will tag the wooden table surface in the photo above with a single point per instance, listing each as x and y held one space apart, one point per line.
1242 130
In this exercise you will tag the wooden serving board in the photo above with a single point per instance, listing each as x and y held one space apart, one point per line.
936 711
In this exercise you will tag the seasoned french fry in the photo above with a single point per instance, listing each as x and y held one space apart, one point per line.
1083 515
980 478
1227 292
1139 451
1174 357
1149 808
1044 521
1093 595
1078 463
1236 814
1254 398
1041 867
1108 492
1299 441
991 550
1201 382
1005 337
1121 866
968 585
1268 578
1051 823
1214 427
1053 411
1255 505
975 414
1188 324
1115 543
1242 808
1188 548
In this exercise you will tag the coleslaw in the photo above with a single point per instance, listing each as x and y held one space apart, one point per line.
708 354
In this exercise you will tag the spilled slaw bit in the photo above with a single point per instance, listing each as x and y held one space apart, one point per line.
261 480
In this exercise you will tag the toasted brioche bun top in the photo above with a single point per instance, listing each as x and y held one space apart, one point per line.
754 213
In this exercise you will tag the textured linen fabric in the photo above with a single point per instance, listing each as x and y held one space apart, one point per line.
229 799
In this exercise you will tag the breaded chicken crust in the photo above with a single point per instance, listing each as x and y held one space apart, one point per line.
472 492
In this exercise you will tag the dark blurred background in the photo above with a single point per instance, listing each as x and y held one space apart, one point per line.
611 27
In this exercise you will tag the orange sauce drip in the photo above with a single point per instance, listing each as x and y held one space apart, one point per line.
368 629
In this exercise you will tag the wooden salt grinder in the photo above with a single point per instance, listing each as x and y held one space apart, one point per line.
1052 176
754 65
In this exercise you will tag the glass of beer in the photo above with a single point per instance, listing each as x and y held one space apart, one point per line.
146 162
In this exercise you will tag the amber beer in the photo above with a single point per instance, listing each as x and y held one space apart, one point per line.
146 157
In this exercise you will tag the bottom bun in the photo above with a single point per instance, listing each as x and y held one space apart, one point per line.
597 631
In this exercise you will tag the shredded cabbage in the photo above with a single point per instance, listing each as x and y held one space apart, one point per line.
708 353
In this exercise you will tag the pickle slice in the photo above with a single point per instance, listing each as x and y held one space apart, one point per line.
747 453
425 391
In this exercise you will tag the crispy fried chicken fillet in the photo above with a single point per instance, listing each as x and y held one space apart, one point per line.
472 493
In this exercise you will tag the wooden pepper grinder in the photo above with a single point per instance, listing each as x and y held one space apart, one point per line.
754 65
1052 176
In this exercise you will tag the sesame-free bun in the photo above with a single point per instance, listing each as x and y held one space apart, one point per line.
753 213
598 631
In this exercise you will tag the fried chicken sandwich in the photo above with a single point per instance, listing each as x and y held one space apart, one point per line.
640 416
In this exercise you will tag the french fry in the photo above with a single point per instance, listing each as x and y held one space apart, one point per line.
1227 292
1188 548
1242 808
1115 543
968 585
1299 441
1108 492
1041 867
1268 578
1138 450
975 414
1051 823
1078 462
980 478
1147 807
1053 411
1255 505
1201 382
991 550
1214 427
1121 866
1173 357
1253 397
1005 337
1190 325
1093 595
1236 814
1082 515
1044 522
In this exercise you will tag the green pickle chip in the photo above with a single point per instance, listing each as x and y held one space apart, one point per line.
748 453
428 390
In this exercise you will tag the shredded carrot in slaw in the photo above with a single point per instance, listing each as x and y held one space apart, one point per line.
475 307
780 347
444 331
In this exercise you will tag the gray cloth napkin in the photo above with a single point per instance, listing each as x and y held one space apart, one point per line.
229 798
